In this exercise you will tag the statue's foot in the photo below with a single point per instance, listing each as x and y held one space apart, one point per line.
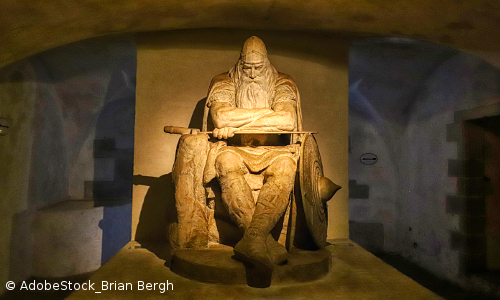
278 252
253 252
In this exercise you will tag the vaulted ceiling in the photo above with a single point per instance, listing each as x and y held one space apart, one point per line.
28 27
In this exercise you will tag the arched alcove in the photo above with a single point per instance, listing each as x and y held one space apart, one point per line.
29 28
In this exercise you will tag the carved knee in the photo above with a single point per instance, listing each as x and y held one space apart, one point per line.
228 162
282 167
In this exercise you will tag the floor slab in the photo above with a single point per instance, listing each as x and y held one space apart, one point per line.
355 274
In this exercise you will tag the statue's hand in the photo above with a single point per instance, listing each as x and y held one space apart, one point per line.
224 133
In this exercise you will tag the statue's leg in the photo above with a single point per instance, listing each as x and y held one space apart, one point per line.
236 193
255 247
191 228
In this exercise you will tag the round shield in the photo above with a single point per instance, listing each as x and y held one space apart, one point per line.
316 190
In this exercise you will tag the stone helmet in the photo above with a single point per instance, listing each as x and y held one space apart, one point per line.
253 50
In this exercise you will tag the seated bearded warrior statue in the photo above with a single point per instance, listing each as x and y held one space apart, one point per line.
250 97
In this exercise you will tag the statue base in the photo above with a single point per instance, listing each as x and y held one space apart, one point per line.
356 274
216 265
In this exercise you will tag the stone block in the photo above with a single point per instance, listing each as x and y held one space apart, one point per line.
358 191
112 189
474 244
104 148
473 141
473 225
465 168
471 206
104 169
124 170
67 239
470 186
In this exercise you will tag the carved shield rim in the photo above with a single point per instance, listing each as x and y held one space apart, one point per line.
310 170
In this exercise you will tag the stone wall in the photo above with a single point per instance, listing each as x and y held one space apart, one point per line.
17 105
57 104
405 102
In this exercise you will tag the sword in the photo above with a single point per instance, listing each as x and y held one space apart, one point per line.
185 130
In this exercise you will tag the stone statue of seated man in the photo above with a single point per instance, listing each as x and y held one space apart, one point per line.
251 96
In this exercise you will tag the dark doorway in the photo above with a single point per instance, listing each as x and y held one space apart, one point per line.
488 132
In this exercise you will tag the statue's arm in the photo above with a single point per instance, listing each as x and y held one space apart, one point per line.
227 118
284 117
225 115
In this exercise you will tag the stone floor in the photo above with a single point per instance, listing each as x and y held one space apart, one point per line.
355 274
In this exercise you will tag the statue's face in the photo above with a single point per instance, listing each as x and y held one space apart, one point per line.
253 75
253 67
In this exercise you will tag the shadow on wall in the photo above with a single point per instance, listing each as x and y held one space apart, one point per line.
116 232
158 211
114 160
159 214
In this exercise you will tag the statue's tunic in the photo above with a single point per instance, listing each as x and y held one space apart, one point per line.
255 158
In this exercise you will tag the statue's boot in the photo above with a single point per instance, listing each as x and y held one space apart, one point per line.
277 251
253 251
278 254
255 247
258 247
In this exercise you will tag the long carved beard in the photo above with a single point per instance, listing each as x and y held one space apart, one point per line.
253 93
257 92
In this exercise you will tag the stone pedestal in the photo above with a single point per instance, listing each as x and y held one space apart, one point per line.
355 274
217 265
